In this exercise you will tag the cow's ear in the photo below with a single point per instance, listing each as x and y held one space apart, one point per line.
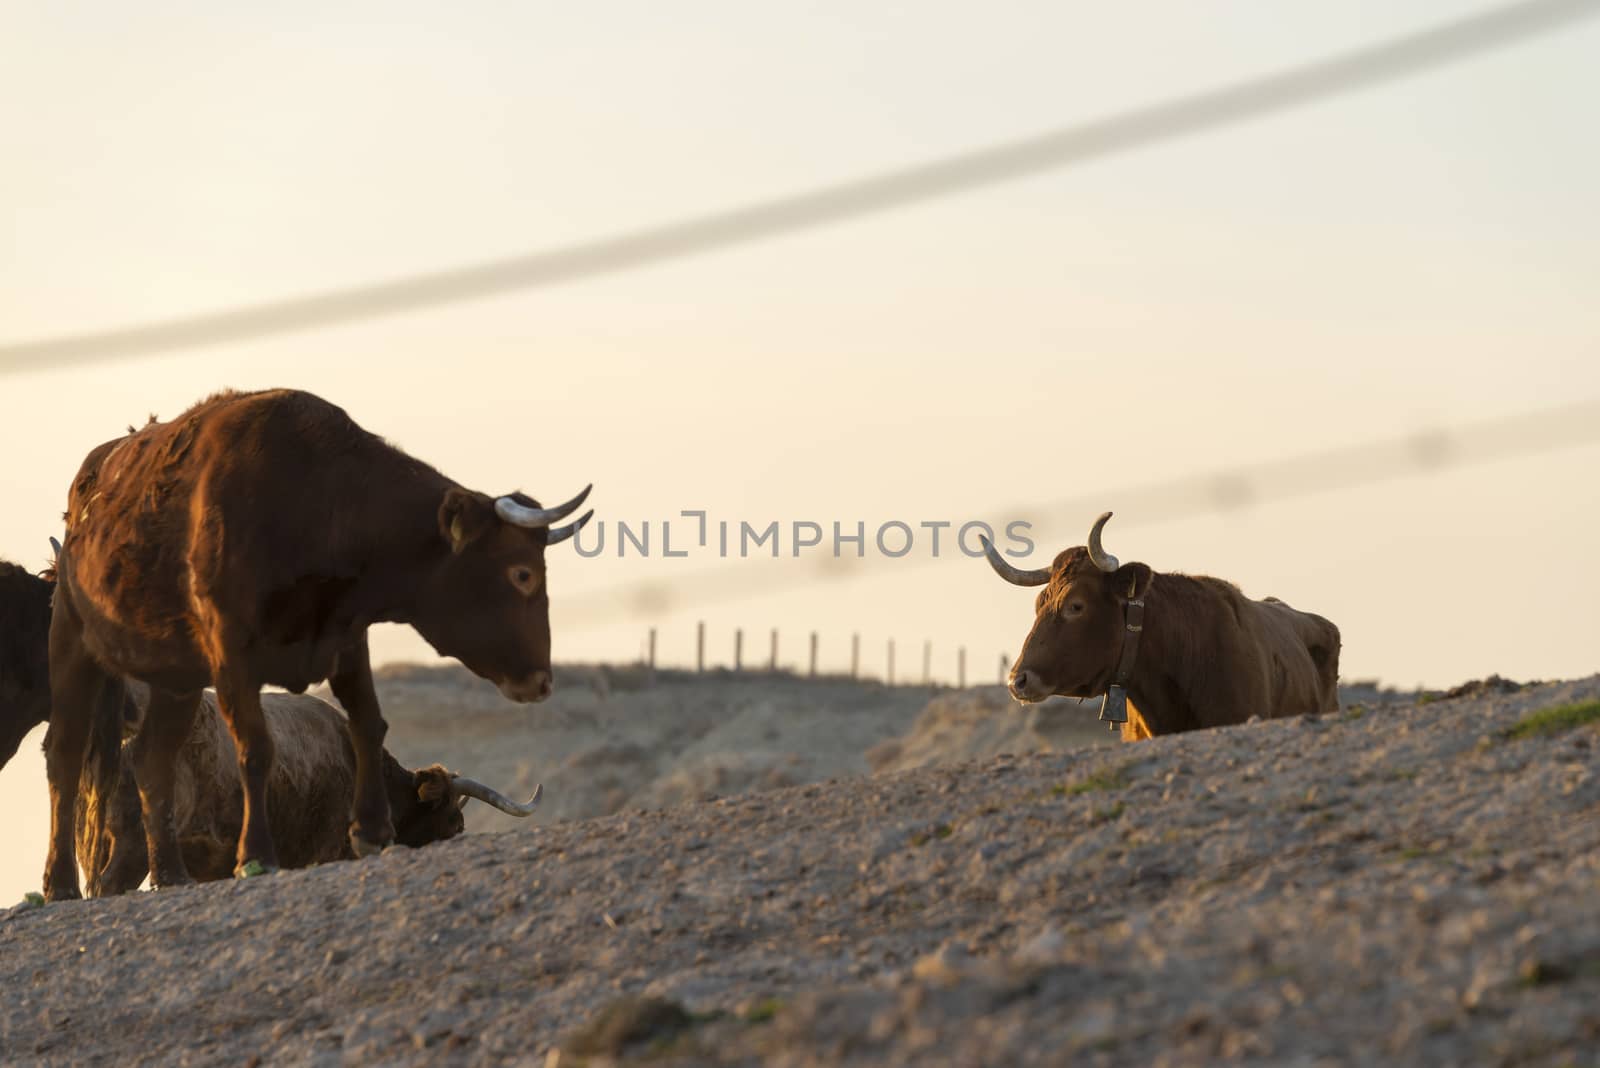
1132 580
464 516
433 784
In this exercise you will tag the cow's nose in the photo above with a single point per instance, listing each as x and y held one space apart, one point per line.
1019 683
534 688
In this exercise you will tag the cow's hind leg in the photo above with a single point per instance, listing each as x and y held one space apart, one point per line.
127 855
154 755
76 686
370 826
239 700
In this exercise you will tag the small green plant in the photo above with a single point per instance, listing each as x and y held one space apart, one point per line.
1106 779
922 838
763 1010
1556 720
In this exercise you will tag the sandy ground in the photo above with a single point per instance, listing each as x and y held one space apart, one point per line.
617 738
1397 883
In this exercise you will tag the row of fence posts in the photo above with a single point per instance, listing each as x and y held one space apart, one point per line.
811 670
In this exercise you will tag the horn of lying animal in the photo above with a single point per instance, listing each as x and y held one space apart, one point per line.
1014 575
1097 552
490 796
558 535
55 548
523 516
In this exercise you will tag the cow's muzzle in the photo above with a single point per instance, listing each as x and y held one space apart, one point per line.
531 690
1026 686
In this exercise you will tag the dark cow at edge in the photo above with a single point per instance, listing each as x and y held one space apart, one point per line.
252 541
24 654
309 794
1207 655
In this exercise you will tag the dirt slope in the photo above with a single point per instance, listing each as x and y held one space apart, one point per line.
611 738
1409 885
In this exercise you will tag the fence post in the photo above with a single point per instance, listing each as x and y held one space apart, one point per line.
700 647
772 664
738 649
889 678
813 654
650 657
961 668
927 662
855 655
1003 660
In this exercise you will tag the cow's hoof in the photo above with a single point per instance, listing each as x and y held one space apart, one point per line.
251 868
61 892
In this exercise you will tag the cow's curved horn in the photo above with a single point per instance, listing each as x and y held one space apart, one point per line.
558 535
55 547
523 516
1014 575
1097 552
490 796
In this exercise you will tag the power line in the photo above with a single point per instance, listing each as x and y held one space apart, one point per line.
1426 452
1241 101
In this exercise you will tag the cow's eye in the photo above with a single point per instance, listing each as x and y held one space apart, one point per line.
1075 608
523 578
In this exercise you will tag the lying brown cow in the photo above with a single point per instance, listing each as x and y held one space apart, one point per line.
309 793
1204 655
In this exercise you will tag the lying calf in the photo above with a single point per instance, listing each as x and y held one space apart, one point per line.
309 795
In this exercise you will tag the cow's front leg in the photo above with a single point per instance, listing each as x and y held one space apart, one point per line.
370 826
239 700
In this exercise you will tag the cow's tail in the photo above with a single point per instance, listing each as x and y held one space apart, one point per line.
100 785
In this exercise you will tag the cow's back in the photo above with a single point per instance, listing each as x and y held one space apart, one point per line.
1304 651
216 505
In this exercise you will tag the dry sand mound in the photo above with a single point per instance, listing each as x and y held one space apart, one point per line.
1411 885
967 725
615 738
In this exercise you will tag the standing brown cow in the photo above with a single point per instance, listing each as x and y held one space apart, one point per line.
252 541
1205 655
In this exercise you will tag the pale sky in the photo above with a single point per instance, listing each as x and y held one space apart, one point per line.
1422 254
